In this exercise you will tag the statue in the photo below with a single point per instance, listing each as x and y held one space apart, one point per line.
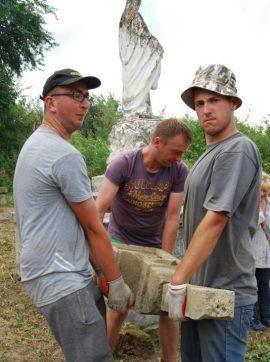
141 55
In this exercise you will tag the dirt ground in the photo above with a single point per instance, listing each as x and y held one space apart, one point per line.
24 336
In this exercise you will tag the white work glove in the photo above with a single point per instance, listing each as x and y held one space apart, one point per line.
120 296
176 300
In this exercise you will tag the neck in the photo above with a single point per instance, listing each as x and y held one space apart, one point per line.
230 131
53 124
149 161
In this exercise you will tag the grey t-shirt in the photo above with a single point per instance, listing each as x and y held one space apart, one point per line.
139 207
54 259
227 178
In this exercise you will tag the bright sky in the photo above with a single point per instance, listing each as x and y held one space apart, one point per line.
192 32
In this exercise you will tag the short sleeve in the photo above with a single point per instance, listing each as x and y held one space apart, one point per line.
117 170
179 177
231 178
70 175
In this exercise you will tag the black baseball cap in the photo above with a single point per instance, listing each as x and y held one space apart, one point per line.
67 77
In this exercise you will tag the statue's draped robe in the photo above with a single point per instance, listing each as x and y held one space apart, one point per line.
141 55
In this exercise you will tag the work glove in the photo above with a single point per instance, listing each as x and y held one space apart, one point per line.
176 300
120 297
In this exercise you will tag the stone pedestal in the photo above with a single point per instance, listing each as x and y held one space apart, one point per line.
129 134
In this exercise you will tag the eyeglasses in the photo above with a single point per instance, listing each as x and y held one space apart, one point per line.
76 95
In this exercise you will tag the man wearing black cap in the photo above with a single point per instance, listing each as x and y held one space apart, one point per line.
58 224
220 218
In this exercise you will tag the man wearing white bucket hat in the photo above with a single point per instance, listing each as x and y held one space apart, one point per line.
220 218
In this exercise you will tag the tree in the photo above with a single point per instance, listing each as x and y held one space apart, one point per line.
102 115
23 42
23 38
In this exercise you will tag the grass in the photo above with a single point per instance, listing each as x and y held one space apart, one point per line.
25 337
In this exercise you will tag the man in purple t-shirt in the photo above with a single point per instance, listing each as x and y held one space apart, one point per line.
145 190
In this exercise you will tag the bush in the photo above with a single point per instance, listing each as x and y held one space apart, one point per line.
17 127
95 152
102 115
197 146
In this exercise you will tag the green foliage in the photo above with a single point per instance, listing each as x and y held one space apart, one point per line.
197 146
7 90
102 115
261 136
19 123
258 352
95 152
23 42
23 38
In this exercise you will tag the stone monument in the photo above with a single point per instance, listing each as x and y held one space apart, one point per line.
141 55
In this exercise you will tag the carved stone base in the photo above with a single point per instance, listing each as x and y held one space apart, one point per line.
129 134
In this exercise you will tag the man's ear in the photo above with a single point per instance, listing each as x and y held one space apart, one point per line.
50 103
156 142
234 103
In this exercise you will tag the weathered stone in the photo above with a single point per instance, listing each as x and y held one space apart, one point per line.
96 182
148 271
145 270
130 134
206 303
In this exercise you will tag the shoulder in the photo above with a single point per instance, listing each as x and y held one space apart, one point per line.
126 158
123 166
242 147
180 168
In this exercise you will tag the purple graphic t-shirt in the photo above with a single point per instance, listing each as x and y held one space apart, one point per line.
139 207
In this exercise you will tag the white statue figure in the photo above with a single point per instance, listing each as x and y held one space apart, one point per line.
141 55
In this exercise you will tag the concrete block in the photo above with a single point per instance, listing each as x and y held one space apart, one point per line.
148 271
145 270
206 303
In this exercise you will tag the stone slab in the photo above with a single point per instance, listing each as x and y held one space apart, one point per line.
206 303
148 271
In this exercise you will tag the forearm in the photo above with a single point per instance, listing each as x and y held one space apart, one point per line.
101 214
201 246
170 233
103 255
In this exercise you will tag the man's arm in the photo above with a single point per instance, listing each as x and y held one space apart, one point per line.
106 194
99 242
201 246
172 221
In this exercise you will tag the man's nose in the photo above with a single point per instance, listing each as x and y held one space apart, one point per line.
207 108
85 103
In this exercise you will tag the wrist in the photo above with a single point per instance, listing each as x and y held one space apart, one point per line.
117 280
177 286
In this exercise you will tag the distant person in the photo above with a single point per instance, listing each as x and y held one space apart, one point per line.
145 189
220 218
261 250
59 226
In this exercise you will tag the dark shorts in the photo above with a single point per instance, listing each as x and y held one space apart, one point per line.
78 323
